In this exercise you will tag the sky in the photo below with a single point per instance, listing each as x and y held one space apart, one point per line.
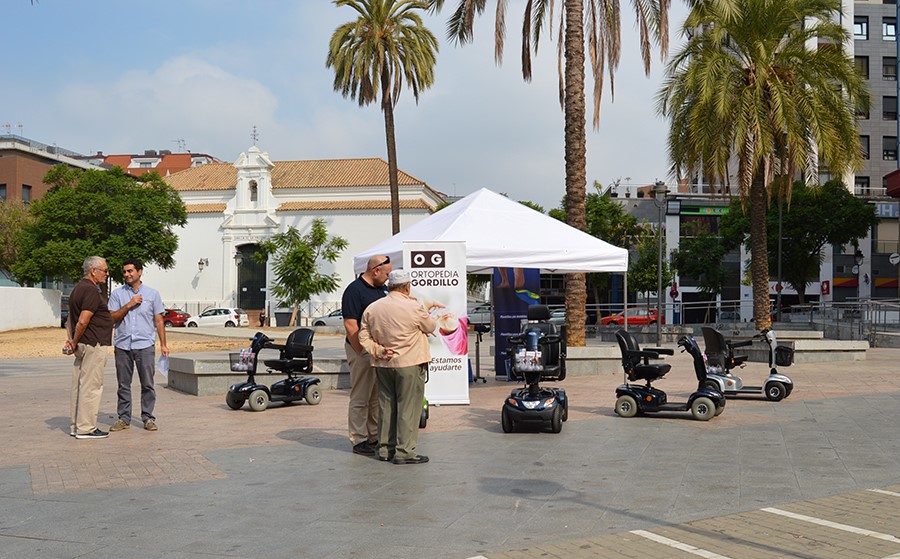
123 77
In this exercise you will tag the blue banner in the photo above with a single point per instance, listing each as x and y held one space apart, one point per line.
513 291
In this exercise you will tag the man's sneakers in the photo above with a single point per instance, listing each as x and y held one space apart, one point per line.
419 459
95 434
149 425
120 425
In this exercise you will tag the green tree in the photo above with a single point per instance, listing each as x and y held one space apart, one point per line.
595 23
642 273
296 260
14 217
748 83
700 256
105 213
373 55
817 216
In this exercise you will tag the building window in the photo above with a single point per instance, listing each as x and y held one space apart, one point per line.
889 29
3 192
864 144
889 107
862 65
862 186
889 68
889 148
861 28
26 194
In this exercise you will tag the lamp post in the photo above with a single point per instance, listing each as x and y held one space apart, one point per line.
858 258
659 198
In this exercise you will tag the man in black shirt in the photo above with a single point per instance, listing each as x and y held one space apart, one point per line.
363 410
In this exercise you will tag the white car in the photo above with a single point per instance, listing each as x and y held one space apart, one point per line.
331 319
220 317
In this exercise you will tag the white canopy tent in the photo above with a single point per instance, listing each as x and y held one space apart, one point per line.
500 232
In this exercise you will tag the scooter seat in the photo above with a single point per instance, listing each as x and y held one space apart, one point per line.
649 372
288 365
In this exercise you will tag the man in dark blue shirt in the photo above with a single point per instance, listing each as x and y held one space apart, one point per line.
362 415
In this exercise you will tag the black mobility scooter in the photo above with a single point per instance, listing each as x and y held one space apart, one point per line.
537 353
721 360
295 360
631 399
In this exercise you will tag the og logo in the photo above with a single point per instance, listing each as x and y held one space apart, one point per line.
427 258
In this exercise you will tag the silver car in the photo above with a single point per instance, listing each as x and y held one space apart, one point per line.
331 319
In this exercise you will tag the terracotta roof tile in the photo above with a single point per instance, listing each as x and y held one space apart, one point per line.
204 208
212 176
294 174
353 205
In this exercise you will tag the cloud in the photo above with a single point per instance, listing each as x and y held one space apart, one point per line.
185 97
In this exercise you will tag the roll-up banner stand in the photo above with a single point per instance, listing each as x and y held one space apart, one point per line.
438 280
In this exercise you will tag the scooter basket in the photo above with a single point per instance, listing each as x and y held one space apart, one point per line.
241 362
784 356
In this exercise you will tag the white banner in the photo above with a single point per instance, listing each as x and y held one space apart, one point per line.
438 279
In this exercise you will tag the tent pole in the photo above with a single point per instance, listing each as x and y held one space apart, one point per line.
625 303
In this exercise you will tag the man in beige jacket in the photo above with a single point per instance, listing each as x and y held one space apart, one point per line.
394 331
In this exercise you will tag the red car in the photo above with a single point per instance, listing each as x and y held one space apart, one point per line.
175 317
635 316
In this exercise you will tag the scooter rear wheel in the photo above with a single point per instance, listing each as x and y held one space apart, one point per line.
313 395
626 406
703 409
259 400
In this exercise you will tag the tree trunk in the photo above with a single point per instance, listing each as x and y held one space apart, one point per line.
576 160
759 251
387 106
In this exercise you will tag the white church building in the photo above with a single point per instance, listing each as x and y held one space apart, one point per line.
232 207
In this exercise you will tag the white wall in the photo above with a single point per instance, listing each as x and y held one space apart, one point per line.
28 307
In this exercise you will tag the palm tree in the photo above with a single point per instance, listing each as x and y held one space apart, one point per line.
748 83
373 55
597 23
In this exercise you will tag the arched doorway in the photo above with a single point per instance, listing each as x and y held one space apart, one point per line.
251 292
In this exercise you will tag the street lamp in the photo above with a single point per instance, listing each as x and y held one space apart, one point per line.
659 198
202 263
238 258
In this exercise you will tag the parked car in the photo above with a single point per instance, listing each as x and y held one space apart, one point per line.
331 319
635 316
220 317
175 317
729 316
480 313
558 316
63 316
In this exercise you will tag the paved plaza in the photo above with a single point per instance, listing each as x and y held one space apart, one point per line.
814 476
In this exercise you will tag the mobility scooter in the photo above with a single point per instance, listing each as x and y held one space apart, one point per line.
720 360
632 399
537 353
295 360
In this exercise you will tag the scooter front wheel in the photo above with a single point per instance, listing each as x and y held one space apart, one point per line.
506 421
626 406
234 401
775 391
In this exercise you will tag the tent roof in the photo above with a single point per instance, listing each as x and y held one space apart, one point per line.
500 232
